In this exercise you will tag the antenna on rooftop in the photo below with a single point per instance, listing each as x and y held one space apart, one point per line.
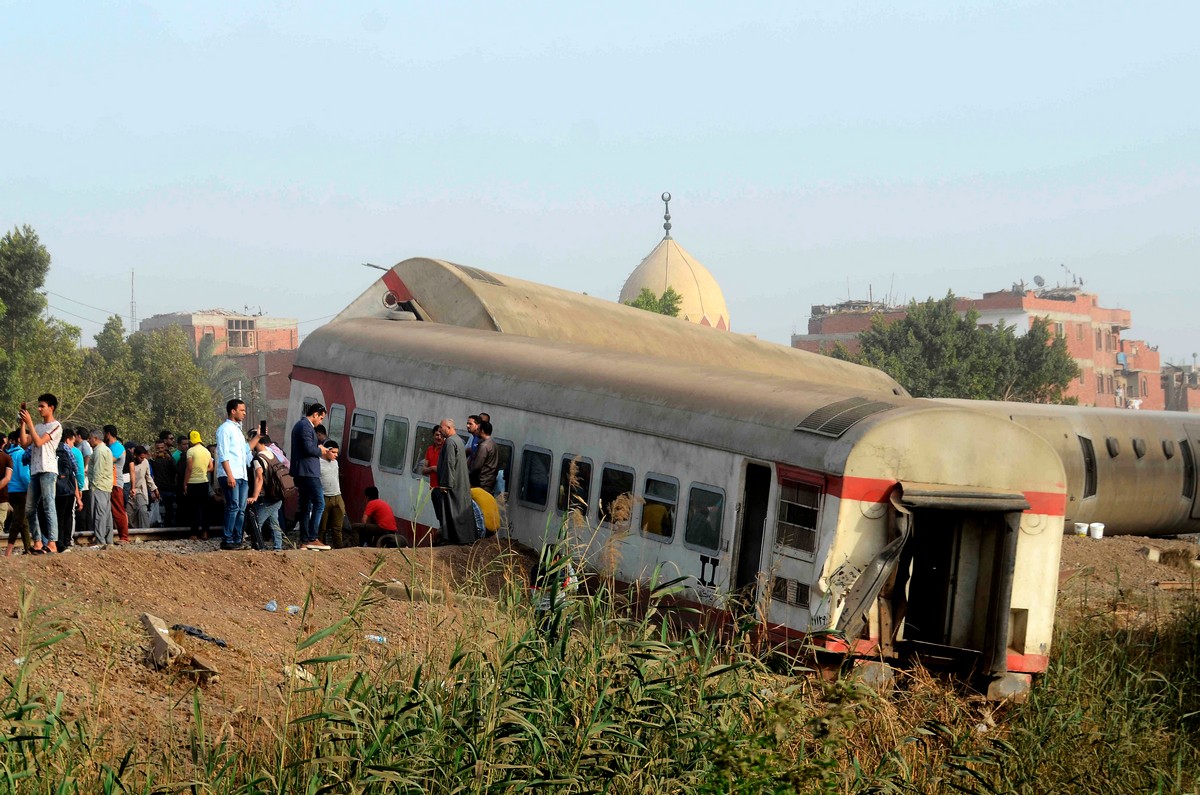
666 198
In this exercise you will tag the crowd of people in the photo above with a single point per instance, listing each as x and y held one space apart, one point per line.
58 483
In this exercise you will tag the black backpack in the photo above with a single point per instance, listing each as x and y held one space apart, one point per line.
277 483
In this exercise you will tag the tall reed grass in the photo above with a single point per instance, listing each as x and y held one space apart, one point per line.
590 698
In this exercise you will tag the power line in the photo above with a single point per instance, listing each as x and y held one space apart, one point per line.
72 314
81 303
315 319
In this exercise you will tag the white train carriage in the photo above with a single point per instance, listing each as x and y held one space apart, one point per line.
1134 471
913 527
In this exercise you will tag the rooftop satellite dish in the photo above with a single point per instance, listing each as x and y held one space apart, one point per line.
391 300
1039 281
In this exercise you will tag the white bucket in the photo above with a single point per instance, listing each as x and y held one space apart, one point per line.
1096 530
1081 528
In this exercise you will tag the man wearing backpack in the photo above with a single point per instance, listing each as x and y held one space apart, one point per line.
266 491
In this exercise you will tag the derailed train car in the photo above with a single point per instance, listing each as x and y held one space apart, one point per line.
914 528
1134 471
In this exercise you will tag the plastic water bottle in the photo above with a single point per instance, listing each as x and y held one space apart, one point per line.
377 638
272 606
500 485
293 610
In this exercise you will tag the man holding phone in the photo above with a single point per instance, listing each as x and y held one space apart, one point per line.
45 437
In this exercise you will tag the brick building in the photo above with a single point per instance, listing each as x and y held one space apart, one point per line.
233 333
1113 372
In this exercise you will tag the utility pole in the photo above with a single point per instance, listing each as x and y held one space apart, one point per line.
132 306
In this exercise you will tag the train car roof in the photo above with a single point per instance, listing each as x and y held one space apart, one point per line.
713 406
443 292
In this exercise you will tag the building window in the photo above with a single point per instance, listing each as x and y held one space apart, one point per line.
1109 384
1079 332
1099 384
1081 376
1144 385
239 333
1099 339
1058 330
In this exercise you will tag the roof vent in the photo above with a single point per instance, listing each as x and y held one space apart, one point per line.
837 418
480 276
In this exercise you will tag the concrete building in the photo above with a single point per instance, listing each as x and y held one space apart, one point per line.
669 265
232 332
1113 372
1181 383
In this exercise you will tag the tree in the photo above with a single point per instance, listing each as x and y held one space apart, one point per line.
665 304
936 352
172 390
24 262
221 373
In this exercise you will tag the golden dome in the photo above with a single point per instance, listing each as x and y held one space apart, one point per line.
669 265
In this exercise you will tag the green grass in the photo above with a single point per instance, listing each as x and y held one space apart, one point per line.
594 699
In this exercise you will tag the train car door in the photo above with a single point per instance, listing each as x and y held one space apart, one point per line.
1190 458
756 500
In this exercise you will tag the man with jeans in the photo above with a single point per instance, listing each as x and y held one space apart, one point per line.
306 473
233 458
265 505
45 438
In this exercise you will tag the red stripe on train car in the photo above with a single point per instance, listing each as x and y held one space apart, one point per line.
1050 503
393 282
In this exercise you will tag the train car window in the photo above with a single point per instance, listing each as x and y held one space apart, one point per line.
1139 448
791 592
705 513
504 452
335 423
1089 467
421 442
308 401
394 446
1189 469
616 494
535 477
575 484
362 437
1168 449
799 510
660 499
1113 445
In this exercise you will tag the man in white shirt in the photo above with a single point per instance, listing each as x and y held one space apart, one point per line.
334 515
233 459
45 437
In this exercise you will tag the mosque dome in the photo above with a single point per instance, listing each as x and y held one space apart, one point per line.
670 265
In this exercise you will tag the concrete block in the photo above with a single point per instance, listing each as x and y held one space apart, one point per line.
876 675
1010 687
163 650
1150 553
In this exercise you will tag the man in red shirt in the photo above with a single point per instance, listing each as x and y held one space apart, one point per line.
377 519
430 470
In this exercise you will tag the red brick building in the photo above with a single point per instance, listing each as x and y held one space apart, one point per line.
1113 372
233 333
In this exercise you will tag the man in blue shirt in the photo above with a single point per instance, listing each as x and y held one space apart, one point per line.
17 488
233 458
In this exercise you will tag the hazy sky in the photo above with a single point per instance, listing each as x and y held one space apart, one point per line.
254 154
